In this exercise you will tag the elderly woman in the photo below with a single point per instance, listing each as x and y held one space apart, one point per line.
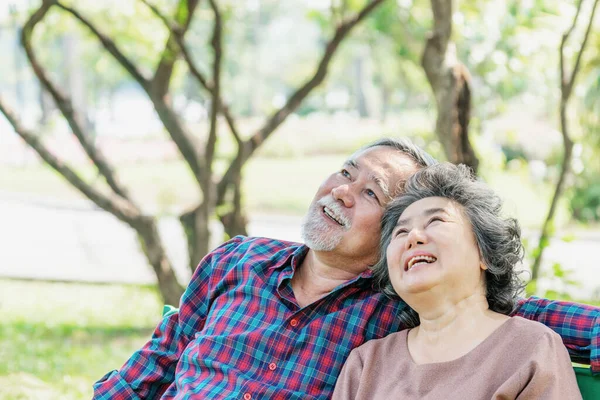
451 257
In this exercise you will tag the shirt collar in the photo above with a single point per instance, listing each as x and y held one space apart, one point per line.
293 259
297 256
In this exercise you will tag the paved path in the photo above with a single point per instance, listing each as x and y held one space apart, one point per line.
45 240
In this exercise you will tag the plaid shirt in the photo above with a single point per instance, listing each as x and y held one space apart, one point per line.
240 334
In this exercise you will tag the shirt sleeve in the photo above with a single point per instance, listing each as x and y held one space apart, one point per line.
549 374
577 324
349 379
151 370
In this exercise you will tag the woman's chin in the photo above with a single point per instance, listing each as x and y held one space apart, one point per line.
415 288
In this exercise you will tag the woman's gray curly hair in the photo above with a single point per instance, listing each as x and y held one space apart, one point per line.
498 238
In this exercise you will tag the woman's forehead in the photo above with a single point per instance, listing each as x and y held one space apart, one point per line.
432 205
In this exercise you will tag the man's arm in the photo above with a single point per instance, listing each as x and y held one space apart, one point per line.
577 324
151 370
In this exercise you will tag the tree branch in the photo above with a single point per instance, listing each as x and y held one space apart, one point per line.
183 17
180 136
224 108
563 42
318 77
294 101
111 47
216 43
176 31
575 70
566 90
65 105
116 205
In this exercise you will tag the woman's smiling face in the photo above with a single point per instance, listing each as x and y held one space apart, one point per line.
433 248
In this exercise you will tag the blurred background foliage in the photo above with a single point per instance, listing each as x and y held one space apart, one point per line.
61 337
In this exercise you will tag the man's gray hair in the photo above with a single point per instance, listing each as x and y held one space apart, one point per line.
498 238
404 145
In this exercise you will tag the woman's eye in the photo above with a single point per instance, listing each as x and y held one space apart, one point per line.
433 219
345 173
400 232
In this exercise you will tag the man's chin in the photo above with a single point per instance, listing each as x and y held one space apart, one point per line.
320 242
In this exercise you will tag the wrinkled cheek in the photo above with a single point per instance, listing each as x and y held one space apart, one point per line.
394 253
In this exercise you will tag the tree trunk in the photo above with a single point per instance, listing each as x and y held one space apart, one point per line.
450 82
196 225
453 98
234 220
169 287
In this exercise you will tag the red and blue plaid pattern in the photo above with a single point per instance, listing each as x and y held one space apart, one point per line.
239 332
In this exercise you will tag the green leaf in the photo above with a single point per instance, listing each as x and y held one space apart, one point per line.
552 294
531 287
558 270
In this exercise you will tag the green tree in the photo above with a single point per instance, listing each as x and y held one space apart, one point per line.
221 193
567 83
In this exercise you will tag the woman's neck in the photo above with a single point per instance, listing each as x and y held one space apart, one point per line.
450 329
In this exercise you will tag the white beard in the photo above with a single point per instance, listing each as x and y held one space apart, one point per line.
317 234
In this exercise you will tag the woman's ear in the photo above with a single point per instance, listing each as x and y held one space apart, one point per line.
482 265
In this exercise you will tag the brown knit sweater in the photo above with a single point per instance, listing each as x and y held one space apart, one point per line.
521 359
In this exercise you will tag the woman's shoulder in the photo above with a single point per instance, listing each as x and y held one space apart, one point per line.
530 332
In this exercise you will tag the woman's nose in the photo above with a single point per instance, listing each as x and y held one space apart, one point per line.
415 237
343 194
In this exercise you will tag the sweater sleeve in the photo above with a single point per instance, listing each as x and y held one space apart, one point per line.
348 382
549 374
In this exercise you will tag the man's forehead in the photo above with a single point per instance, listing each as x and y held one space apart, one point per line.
387 162
388 167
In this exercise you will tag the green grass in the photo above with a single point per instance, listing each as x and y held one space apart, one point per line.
272 185
57 339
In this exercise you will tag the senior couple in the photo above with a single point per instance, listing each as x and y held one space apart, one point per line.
405 288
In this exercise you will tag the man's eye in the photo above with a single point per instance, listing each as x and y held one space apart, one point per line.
345 173
372 194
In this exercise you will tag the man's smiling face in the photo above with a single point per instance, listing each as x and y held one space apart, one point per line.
345 214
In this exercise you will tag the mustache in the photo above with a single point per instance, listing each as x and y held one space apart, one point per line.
336 209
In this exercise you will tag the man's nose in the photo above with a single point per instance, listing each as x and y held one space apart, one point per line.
415 237
344 194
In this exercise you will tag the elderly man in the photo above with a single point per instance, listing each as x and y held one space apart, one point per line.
269 319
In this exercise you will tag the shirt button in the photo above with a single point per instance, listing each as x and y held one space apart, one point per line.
294 322
272 366
247 396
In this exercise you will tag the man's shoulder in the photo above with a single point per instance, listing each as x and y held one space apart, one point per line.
260 244
255 249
